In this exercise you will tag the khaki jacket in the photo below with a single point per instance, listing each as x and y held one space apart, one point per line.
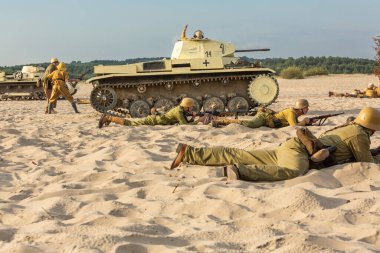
173 116
288 117
352 142
58 77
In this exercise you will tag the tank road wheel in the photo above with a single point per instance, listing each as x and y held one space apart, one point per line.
103 98
213 104
238 104
139 109
163 105
17 75
263 89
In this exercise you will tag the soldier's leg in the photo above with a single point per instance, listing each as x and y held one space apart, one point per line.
257 121
53 98
48 93
292 161
149 120
66 93
223 156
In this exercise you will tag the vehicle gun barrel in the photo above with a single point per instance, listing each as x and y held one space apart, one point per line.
252 50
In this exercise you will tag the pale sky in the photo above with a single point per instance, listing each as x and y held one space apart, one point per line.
86 30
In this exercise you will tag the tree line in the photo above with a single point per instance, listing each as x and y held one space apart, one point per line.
333 65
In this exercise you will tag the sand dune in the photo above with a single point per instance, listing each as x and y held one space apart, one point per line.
67 186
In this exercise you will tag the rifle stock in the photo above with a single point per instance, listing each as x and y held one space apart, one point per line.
321 119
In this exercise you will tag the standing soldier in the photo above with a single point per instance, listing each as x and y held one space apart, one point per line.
347 143
176 115
47 84
267 117
59 78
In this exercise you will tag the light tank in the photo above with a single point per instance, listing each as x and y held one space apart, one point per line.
24 84
204 69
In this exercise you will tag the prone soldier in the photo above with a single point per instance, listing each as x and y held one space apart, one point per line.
371 92
176 115
346 143
267 117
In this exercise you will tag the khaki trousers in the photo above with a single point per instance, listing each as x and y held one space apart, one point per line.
58 89
287 161
258 120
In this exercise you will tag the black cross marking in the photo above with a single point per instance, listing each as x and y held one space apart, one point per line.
206 63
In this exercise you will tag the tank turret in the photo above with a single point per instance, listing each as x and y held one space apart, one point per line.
204 69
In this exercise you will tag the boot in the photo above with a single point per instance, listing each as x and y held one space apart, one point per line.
107 119
231 172
74 105
180 152
49 108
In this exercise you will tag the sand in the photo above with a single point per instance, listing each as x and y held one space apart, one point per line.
67 186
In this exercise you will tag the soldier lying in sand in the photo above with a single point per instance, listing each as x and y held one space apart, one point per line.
346 143
371 92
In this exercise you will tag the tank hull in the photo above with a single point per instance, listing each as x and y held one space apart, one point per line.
10 90
213 90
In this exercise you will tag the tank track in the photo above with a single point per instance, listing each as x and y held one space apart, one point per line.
141 86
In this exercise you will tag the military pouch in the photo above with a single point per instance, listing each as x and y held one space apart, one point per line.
271 121
311 142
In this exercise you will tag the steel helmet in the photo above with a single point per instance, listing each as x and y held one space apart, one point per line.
53 60
198 34
187 102
371 86
301 103
369 118
61 66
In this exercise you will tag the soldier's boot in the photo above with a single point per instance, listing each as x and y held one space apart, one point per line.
107 119
231 172
74 105
49 108
181 148
224 122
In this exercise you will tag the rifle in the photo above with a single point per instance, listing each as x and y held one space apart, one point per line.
74 81
321 119
220 114
375 151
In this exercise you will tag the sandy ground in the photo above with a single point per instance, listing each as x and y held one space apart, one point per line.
67 186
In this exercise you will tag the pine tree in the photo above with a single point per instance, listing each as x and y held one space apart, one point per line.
377 48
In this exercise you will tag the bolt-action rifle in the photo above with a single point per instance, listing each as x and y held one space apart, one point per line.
220 114
321 119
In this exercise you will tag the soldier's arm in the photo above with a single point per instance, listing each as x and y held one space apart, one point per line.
50 76
359 146
292 119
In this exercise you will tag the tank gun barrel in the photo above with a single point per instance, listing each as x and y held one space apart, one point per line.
252 50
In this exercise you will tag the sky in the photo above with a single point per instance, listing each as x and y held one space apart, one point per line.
86 30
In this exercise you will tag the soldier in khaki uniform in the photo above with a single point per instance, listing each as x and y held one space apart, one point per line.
371 92
47 84
175 115
198 34
59 78
292 158
266 117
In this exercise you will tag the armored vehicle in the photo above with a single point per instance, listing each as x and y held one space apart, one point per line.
24 84
204 69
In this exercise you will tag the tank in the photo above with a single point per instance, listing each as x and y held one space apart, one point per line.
204 69
24 84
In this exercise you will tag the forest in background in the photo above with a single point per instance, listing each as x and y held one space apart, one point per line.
333 65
